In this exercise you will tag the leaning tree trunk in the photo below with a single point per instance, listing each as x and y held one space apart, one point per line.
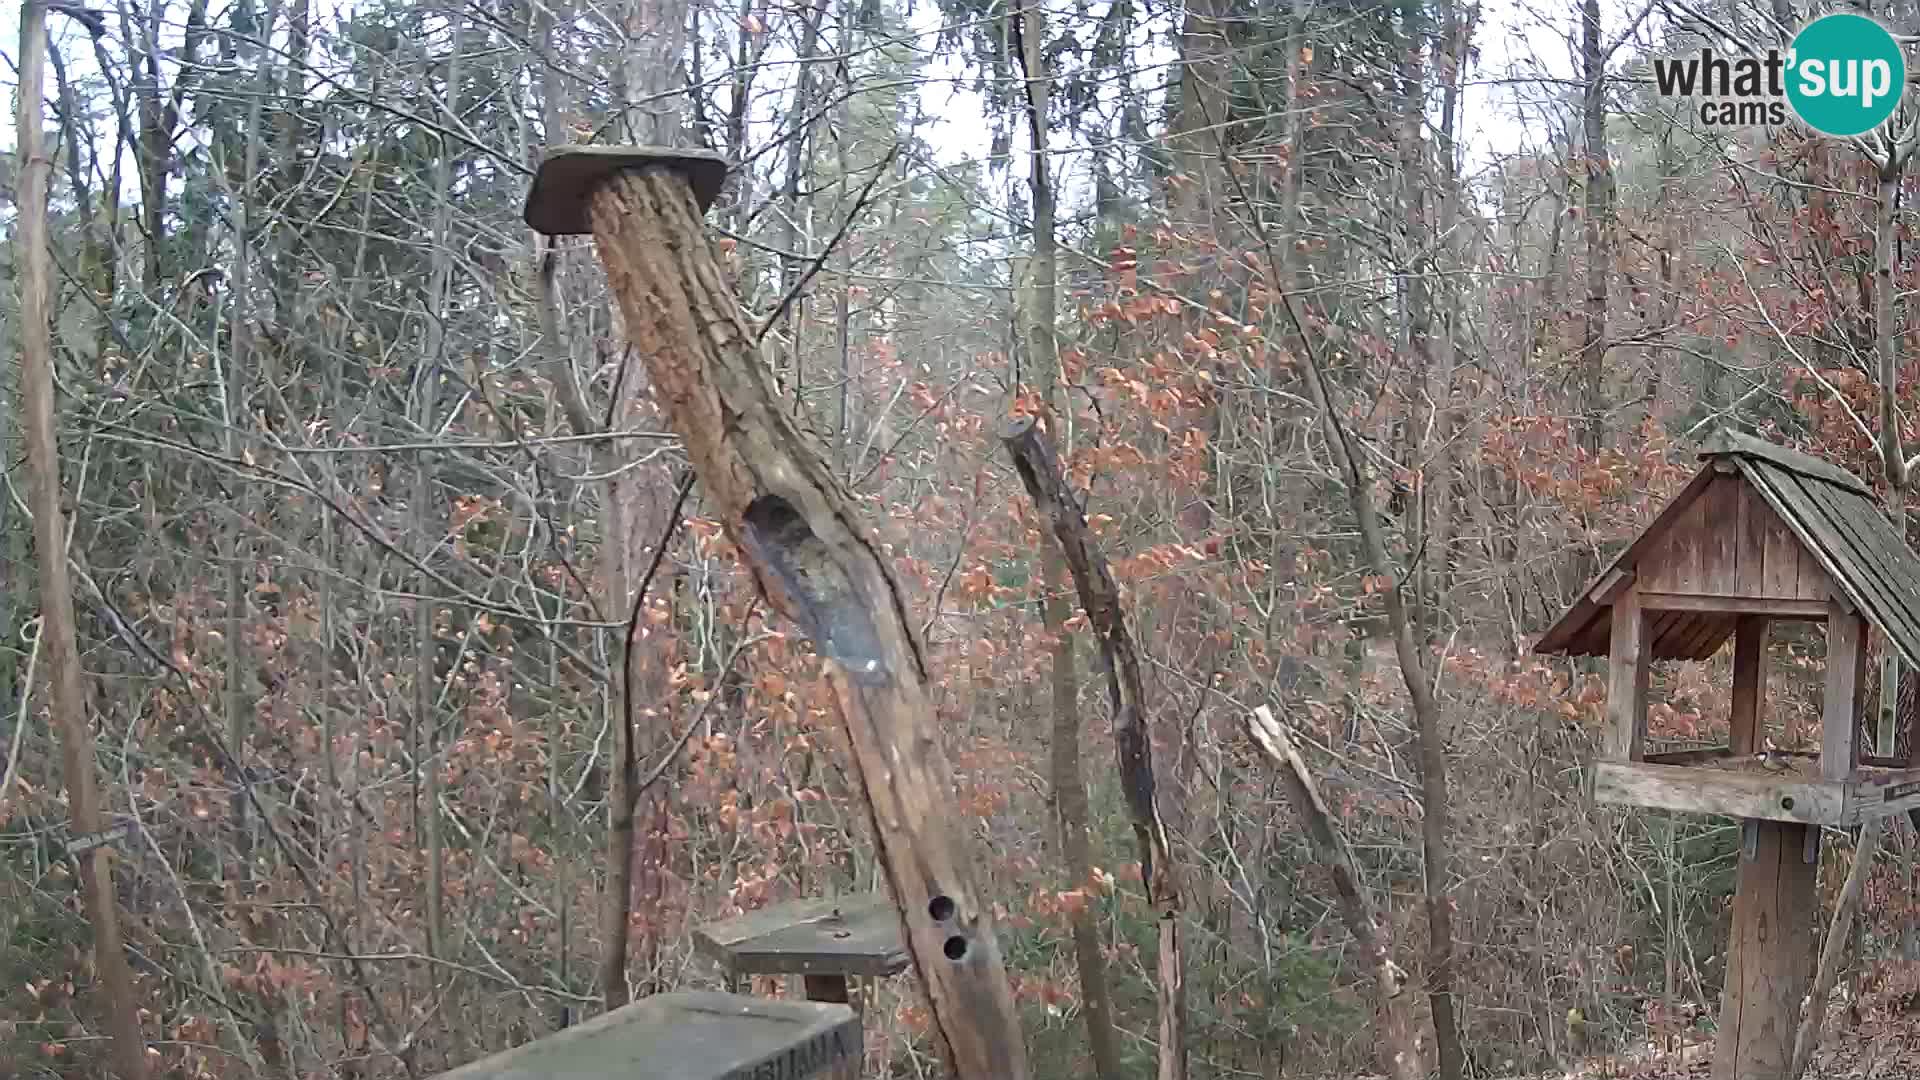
1046 482
68 703
801 535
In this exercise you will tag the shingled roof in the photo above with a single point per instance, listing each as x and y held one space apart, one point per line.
1831 512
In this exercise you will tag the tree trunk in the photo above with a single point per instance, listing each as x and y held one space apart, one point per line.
67 702
1597 211
1046 483
1038 298
798 530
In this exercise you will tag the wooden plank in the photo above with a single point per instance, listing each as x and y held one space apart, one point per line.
1839 714
1702 636
1781 571
854 935
1885 792
1890 584
1742 444
1720 538
1769 955
1608 587
687 1036
1744 723
1689 757
1807 521
1692 789
1779 606
1751 518
1583 612
1627 670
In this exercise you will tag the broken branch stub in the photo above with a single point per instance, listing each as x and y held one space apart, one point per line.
1046 483
819 565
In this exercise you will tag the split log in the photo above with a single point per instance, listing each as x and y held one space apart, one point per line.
1046 482
810 554
1399 1039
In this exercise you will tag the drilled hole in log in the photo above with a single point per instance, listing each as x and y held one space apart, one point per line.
956 948
826 603
1786 803
940 908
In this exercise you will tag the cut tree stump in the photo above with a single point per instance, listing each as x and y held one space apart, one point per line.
811 554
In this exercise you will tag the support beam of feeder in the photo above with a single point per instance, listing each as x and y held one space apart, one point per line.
1749 684
802 536
1769 952
1628 664
1846 664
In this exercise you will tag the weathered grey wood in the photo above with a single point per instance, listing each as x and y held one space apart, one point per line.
1627 679
818 561
564 184
1608 587
1701 756
1692 789
1769 955
688 1036
1883 792
1745 723
1740 444
849 935
1815 511
1723 604
1839 713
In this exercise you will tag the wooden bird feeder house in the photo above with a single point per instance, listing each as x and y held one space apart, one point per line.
688 1036
1760 535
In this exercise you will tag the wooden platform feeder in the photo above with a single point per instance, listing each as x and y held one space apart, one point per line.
824 941
688 1036
1760 535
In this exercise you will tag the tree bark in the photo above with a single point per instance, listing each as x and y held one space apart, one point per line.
67 703
818 564
1038 299
1597 212
1399 1050
1046 483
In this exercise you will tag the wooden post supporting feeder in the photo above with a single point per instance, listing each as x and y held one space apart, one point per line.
816 561
1761 534
688 1036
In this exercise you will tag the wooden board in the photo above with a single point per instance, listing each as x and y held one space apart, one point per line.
1769 955
1878 793
849 935
1730 544
688 1036
1691 789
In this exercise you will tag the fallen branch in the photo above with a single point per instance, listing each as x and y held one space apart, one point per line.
1399 1048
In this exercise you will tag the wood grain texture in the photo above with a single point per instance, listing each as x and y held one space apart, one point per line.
1769 956
689 1036
1749 685
1627 673
849 935
818 563
1839 714
1692 789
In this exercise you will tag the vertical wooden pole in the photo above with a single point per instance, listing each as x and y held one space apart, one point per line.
1839 727
1769 953
1629 657
1749 684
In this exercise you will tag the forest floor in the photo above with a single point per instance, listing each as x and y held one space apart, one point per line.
1885 1045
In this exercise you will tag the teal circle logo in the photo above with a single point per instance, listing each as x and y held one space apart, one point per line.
1844 75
